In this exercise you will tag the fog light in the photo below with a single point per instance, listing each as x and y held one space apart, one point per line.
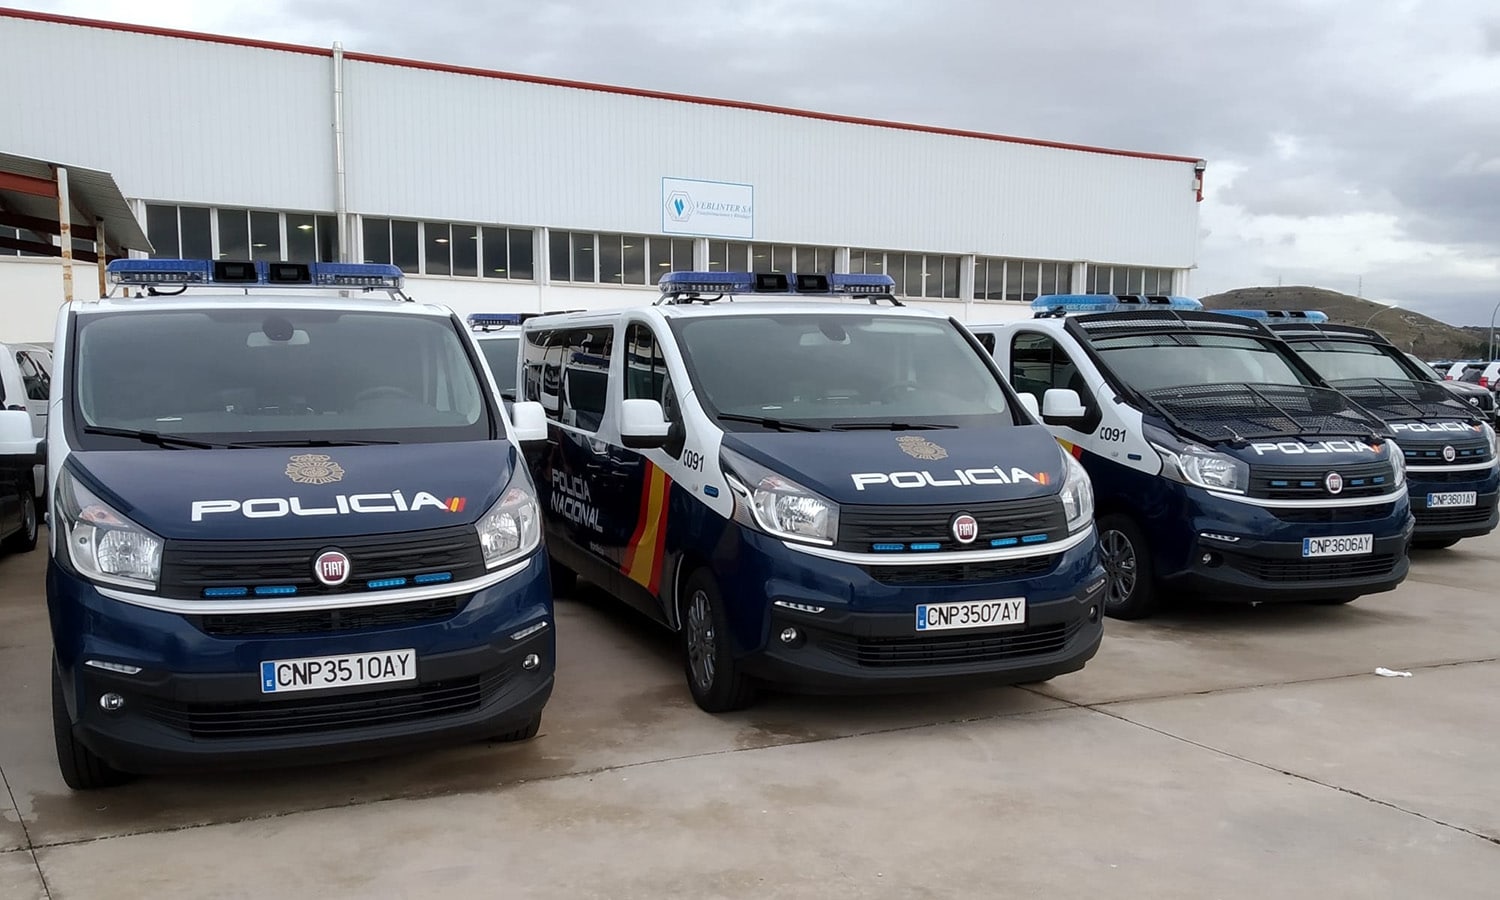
531 662
790 635
111 702
1208 558
1093 614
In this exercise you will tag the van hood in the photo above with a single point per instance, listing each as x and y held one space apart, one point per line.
936 466
293 492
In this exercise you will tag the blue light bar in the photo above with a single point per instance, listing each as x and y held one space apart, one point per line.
708 282
381 584
1278 315
495 320
258 274
276 590
1080 304
845 284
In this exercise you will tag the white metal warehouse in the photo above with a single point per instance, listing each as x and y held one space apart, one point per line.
507 192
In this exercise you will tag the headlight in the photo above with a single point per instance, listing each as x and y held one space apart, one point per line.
1398 463
511 529
1077 495
1206 469
1489 436
103 545
778 505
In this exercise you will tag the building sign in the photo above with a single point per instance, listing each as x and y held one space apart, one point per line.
710 208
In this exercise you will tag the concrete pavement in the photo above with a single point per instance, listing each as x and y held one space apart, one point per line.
1214 752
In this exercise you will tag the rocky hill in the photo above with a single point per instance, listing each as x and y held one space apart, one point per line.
1422 335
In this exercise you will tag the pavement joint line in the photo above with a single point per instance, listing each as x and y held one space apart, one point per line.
597 770
1421 667
1493 839
624 767
30 847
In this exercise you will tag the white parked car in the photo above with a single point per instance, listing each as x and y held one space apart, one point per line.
25 382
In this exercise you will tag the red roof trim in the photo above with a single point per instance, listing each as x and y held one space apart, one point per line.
579 85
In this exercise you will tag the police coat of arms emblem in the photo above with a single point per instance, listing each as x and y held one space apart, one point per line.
920 447
314 468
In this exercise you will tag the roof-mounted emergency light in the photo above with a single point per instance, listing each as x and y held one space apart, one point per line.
1081 304
702 285
258 274
1312 316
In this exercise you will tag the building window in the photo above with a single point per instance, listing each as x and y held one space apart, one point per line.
735 256
188 232
1127 280
916 274
450 248
1020 280
585 257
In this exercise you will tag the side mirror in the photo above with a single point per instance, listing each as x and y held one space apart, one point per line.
529 420
16 439
1061 406
1029 402
643 424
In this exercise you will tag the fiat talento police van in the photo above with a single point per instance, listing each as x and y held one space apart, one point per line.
815 493
1449 446
284 527
1224 465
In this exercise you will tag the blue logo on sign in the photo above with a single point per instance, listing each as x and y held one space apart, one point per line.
267 676
679 205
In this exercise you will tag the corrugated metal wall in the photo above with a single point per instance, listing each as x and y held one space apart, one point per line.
172 119
207 123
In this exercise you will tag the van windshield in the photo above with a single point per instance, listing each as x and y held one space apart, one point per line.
501 354
1149 362
1348 360
275 376
832 370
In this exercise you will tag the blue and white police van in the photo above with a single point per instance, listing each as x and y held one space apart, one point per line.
1451 474
817 487
287 525
1224 466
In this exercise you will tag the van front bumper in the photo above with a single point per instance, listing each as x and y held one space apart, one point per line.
196 702
864 638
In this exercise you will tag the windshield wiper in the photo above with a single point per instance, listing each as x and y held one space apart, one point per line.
888 426
773 424
310 442
170 441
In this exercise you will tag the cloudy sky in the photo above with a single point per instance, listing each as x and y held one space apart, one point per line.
1349 143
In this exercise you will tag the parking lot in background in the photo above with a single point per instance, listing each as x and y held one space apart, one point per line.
1212 752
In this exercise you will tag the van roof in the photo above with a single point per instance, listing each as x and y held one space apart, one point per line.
729 308
258 300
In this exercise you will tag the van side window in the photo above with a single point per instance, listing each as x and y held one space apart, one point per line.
34 375
584 358
535 351
1038 364
987 341
645 368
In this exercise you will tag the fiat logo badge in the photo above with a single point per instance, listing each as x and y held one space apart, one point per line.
965 528
331 568
1449 454
1334 482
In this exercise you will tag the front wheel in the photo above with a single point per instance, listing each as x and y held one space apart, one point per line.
1131 592
713 675
82 769
24 541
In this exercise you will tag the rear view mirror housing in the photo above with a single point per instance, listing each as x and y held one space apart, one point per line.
16 440
643 424
529 421
1061 406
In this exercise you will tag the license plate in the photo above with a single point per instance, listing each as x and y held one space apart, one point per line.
318 673
1345 545
974 614
1452 498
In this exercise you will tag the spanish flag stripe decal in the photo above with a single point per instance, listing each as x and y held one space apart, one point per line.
1072 448
643 556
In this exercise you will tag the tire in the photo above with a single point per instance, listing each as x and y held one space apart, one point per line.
564 579
1131 592
713 676
24 541
1434 543
81 769
524 733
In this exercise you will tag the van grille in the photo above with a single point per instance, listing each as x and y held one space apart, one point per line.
324 621
1471 515
863 527
962 573
1331 569
1309 482
949 650
191 567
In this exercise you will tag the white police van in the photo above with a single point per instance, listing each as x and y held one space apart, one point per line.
1224 466
816 490
287 526
1449 445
